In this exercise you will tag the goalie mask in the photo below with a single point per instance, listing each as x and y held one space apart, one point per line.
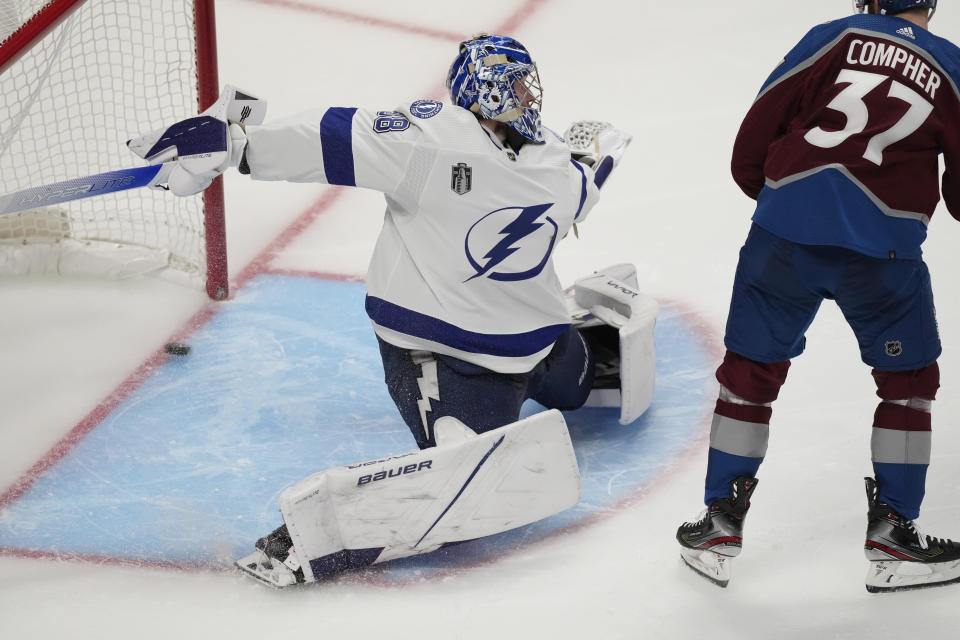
892 7
495 77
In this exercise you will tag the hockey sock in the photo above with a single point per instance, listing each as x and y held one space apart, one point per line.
741 421
900 450
901 439
738 443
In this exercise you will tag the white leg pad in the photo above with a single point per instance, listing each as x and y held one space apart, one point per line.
611 296
413 503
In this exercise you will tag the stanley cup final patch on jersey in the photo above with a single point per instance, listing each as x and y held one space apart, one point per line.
461 178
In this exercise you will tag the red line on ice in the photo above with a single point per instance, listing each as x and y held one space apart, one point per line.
318 275
372 21
32 554
511 24
103 409
261 263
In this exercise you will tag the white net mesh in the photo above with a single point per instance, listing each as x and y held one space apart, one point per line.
111 70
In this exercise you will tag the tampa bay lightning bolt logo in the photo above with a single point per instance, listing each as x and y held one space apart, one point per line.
425 108
513 243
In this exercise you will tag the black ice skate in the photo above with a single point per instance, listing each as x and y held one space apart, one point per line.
275 561
900 556
708 544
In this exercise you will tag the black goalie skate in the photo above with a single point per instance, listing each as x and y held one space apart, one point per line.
900 556
275 561
708 544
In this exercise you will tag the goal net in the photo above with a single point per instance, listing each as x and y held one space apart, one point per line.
78 79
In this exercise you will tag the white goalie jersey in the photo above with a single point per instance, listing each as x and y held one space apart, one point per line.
463 263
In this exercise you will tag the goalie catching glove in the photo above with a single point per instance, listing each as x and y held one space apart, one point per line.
205 146
598 145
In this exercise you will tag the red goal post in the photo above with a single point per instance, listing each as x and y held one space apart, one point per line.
77 79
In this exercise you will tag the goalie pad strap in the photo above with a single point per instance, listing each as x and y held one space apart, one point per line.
403 505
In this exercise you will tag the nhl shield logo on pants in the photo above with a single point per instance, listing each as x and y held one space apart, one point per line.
461 179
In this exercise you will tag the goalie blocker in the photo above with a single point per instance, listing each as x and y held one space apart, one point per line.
468 486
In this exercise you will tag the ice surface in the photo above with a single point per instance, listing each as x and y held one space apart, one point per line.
679 77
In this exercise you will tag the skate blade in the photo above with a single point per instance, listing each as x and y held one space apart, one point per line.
260 567
712 566
889 576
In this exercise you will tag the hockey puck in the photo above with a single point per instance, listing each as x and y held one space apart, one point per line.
177 348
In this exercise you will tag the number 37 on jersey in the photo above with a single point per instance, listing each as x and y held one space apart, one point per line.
897 123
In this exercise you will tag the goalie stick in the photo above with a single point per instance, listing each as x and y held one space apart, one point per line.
98 184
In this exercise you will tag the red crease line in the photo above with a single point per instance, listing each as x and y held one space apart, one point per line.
35 554
372 21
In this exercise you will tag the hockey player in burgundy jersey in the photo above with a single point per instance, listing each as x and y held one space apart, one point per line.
840 151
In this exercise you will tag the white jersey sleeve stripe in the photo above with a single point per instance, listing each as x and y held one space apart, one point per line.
336 136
